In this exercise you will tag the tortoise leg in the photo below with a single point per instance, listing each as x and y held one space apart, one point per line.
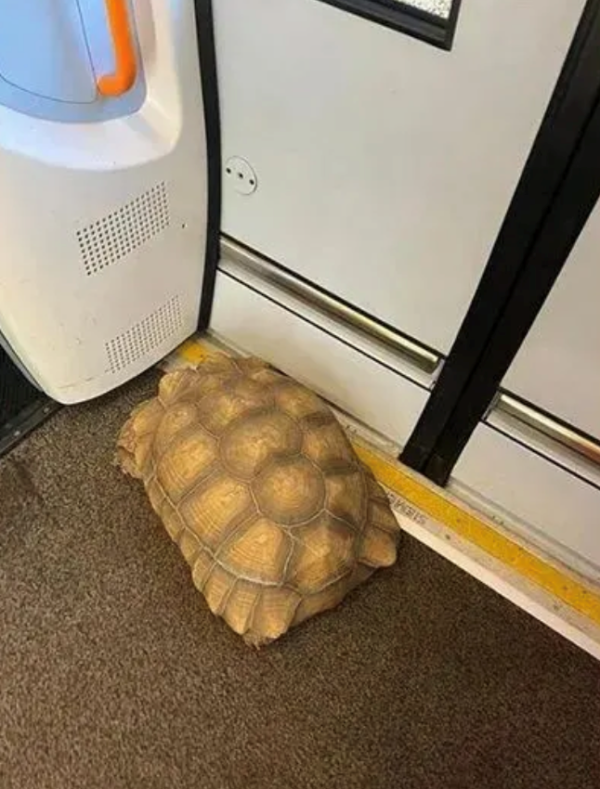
261 614
382 532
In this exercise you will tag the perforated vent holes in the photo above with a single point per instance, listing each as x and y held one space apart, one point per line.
145 336
109 239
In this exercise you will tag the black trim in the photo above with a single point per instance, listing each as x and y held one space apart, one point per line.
210 93
30 417
569 110
405 18
564 223
22 405
16 391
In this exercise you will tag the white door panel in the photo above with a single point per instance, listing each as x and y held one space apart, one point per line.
558 365
384 166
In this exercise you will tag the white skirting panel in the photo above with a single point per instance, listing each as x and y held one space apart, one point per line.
547 504
317 352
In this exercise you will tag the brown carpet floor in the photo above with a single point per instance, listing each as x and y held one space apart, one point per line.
113 674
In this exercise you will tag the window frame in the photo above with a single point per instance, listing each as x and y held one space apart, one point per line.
405 18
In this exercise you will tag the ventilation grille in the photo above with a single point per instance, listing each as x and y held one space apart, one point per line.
109 239
145 336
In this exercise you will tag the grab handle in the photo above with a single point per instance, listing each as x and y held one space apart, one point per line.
123 77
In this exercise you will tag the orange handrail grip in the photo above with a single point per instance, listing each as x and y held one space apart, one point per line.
123 77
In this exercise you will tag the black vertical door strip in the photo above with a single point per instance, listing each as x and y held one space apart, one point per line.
565 221
208 73
570 108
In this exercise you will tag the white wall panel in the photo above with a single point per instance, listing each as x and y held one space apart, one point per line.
384 165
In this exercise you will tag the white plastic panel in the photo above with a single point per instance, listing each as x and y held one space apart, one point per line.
536 498
103 225
384 165
43 49
558 365
377 396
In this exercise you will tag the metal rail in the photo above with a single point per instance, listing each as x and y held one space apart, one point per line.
563 434
421 357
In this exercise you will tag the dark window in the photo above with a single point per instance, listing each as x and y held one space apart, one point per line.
433 21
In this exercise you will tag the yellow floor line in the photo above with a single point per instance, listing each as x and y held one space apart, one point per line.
469 527
466 525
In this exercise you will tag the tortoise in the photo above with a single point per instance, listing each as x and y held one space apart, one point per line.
256 481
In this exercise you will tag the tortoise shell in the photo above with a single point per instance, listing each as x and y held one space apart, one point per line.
259 486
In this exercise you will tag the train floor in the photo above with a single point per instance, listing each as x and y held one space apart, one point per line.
113 673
